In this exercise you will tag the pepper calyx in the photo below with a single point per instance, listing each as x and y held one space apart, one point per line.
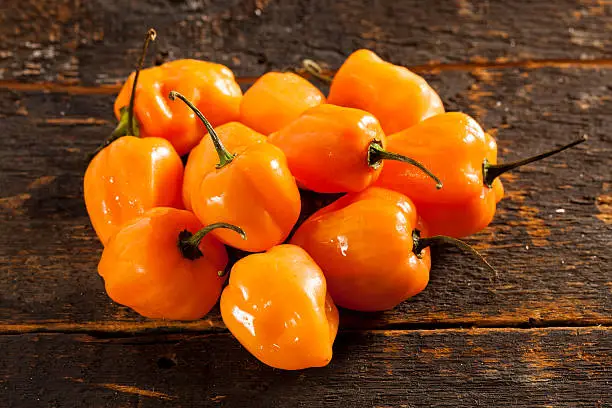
189 244
492 171
419 244
377 153
188 250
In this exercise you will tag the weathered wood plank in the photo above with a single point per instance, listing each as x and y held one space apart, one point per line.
550 239
454 368
70 40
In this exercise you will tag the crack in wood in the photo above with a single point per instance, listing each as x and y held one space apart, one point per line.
204 327
129 389
54 87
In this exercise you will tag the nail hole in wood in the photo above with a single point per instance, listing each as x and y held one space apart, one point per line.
166 362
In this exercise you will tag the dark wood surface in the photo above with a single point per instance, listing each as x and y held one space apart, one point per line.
468 367
536 74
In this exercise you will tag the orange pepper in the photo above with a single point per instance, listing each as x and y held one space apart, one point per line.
253 189
129 175
203 158
158 265
277 306
456 148
210 86
276 99
398 97
364 244
370 249
332 149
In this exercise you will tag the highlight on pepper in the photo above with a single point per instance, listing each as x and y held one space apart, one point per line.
396 173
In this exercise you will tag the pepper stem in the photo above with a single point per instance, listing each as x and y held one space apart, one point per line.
151 35
315 70
225 157
492 171
376 154
419 244
119 131
189 243
127 125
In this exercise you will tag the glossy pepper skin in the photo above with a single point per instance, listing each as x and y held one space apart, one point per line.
144 268
128 177
398 97
253 189
455 147
333 149
277 306
203 158
276 99
465 157
364 243
212 88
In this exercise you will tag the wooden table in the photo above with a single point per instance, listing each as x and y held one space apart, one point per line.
535 73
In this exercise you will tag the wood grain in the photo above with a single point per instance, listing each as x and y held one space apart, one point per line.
450 368
97 42
535 74
550 239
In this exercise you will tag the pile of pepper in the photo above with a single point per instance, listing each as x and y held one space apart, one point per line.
411 174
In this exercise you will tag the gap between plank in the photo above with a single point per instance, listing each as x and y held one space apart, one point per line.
425 68
202 327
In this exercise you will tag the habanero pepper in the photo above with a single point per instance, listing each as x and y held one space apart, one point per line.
456 148
398 97
212 88
276 99
277 305
203 159
372 248
165 265
128 174
333 149
253 189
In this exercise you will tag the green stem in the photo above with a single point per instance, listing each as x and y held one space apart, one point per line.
127 125
151 35
376 154
225 157
419 244
120 130
316 71
492 171
189 243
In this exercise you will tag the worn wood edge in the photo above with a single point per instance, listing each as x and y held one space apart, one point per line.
153 327
116 327
107 89
487 330
385 331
